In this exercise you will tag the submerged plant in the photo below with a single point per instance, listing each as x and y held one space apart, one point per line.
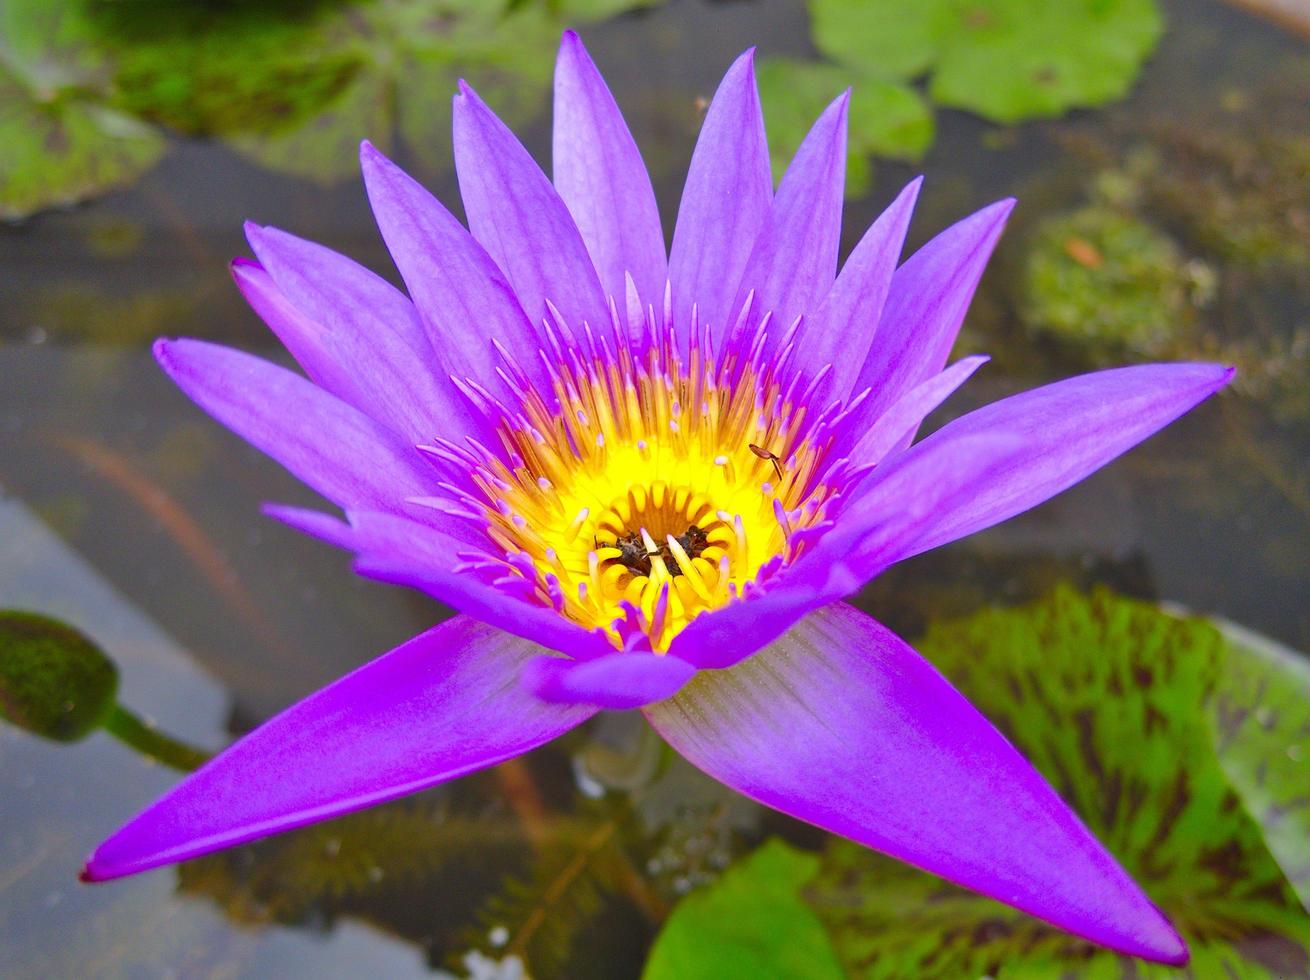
1100 277
646 481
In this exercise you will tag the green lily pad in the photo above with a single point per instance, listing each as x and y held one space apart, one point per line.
54 682
887 119
895 39
1010 60
1006 60
1183 751
60 139
1261 716
750 923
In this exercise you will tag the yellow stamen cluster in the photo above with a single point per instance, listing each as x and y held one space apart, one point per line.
655 489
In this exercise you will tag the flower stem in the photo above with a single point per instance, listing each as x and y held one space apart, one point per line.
129 729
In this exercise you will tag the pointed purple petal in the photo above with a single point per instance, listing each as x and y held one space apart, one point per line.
315 523
925 307
403 552
601 177
617 681
305 340
333 290
724 203
903 417
842 725
384 363
1063 431
842 331
794 261
398 550
340 452
520 220
446 703
463 298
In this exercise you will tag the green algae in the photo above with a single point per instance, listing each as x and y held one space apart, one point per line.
1101 277
1240 193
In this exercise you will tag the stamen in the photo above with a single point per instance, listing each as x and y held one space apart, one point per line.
628 495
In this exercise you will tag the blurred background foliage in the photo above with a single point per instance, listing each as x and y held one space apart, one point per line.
1161 154
89 84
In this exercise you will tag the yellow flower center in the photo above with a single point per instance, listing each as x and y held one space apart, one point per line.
655 489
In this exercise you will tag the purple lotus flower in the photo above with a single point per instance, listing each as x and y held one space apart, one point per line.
646 481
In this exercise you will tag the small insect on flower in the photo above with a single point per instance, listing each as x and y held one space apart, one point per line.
558 433
772 457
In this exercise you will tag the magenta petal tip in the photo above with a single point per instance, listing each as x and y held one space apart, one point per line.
161 349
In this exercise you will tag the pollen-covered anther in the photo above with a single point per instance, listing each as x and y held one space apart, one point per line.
631 513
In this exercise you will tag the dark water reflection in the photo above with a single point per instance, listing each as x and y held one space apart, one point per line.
127 513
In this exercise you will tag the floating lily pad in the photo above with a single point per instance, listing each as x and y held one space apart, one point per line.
887 119
54 682
898 39
1010 60
1100 277
1006 60
60 140
1180 748
1261 716
751 923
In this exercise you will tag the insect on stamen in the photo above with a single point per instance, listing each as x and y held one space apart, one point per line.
768 454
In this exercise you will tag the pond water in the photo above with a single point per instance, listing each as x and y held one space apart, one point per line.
129 515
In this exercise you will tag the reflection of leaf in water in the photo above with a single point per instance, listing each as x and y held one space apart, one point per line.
54 682
887 119
1006 60
1118 704
751 923
60 141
